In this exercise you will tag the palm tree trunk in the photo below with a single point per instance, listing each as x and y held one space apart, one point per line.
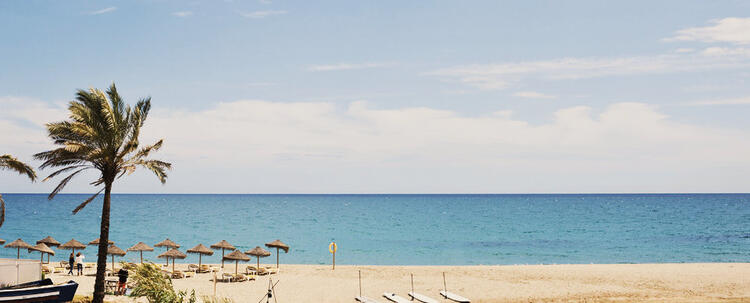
101 260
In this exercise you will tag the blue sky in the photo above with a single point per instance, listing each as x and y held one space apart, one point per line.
398 96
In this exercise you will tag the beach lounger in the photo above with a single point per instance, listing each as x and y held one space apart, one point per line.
189 274
364 299
250 277
178 274
192 267
395 298
272 270
239 278
422 298
454 297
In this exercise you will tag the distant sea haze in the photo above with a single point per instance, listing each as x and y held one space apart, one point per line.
406 229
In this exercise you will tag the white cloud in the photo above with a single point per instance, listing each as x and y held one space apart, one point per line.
262 146
730 101
684 50
731 30
183 14
504 75
104 11
533 95
262 14
345 66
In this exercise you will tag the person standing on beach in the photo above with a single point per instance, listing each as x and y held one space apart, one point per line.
79 263
71 262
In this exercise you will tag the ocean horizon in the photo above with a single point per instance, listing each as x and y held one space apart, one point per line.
405 229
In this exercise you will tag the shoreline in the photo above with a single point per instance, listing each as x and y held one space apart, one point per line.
647 282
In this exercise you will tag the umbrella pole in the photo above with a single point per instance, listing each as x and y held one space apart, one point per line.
222 258
412 283
277 257
445 286
360 282
236 265
173 265
257 258
167 258
19 253
141 257
199 261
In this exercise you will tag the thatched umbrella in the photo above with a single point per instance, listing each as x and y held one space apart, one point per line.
73 245
113 251
223 244
258 253
237 256
172 254
201 250
278 244
50 242
141 247
42 249
167 244
18 244
96 242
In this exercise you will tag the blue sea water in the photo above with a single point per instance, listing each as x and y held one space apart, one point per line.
408 229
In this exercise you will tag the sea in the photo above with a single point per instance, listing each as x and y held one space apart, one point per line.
404 229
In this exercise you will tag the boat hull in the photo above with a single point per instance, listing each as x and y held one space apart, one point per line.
39 291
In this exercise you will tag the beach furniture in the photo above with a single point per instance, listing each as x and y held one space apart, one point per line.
141 247
201 250
451 296
192 268
204 269
223 245
258 253
188 274
395 298
278 245
419 297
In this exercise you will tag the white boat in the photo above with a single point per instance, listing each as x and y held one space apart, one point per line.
422 298
454 297
395 298
364 299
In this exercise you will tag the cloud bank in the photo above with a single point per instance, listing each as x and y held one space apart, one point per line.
261 146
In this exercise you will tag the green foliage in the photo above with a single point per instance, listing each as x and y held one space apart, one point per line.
8 162
156 287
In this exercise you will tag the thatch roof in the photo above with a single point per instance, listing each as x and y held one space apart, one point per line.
237 256
96 242
173 254
278 244
201 249
114 250
49 241
42 248
73 244
223 244
167 243
18 244
258 252
141 247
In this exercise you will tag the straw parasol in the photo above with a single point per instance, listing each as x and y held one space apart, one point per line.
50 242
96 242
201 250
172 254
223 244
73 245
237 256
167 244
113 251
42 249
278 245
141 247
18 244
258 253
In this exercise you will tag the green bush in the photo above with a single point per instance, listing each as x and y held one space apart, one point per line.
151 283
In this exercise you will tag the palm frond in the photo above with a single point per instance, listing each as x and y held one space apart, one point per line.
10 163
63 183
82 205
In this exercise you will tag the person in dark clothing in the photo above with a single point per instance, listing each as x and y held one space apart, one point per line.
71 261
123 282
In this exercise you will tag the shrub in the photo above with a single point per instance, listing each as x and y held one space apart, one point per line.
151 283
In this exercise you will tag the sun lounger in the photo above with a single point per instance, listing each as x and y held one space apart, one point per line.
239 278
189 274
454 297
272 270
395 298
422 298
59 269
250 277
177 274
193 267
89 265
46 269
364 299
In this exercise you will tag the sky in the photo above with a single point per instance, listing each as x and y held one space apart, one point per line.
276 96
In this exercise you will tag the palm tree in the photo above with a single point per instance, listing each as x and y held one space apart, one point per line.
10 163
101 134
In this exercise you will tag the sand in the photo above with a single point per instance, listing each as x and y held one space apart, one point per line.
700 282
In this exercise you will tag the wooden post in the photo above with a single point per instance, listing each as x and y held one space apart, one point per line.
360 283
445 286
222 257
277 257
412 285
334 260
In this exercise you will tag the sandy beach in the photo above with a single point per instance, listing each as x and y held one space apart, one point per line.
699 282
